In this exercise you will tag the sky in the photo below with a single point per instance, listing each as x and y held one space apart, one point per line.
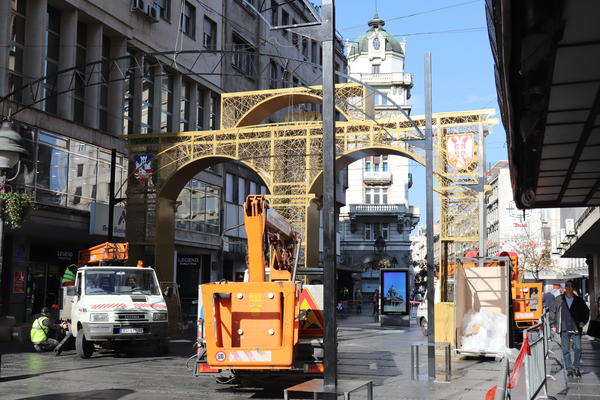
455 33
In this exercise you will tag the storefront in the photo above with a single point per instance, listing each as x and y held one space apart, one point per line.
192 270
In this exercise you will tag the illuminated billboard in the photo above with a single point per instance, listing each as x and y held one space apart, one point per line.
395 290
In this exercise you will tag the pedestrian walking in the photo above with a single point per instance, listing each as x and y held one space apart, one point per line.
376 302
548 300
40 330
568 316
358 301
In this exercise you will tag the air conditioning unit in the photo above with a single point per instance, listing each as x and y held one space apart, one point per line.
153 13
138 5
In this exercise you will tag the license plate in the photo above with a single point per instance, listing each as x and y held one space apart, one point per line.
131 330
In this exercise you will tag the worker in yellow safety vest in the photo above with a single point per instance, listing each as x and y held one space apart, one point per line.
41 328
68 278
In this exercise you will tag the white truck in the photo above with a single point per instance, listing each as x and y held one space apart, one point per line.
112 305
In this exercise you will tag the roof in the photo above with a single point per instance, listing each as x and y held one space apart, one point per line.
547 61
361 45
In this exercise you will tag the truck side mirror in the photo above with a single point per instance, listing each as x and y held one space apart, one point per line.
71 291
168 291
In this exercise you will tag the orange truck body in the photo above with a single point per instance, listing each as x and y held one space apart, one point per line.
105 252
255 325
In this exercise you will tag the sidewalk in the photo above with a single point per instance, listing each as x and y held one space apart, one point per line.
367 351
588 386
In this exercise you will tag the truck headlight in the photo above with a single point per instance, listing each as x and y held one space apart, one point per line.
98 317
159 316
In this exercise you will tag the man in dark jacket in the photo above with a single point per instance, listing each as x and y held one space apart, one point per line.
568 316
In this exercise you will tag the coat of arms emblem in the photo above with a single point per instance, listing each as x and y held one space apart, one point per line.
459 151
143 167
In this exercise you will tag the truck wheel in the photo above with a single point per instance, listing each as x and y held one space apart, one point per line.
84 347
423 324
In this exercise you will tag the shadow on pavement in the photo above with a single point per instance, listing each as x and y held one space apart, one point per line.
90 394
78 368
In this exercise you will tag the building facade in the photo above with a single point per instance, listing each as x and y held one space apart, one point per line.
80 77
377 220
530 233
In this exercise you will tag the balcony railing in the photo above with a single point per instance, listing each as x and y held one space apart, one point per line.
377 208
393 77
381 177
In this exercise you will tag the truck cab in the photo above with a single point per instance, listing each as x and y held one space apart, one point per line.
112 304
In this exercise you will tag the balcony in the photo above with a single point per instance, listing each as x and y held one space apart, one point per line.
393 78
377 209
377 177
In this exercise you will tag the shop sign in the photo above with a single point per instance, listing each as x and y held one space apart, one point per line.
18 282
188 261
99 220
65 255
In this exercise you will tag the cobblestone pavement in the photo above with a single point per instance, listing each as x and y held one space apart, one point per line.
366 352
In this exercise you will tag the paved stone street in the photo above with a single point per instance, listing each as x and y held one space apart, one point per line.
366 352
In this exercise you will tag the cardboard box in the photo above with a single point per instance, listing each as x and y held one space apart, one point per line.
5 333
21 333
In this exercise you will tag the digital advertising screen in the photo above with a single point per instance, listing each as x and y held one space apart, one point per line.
394 296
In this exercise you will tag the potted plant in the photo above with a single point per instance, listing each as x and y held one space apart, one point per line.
15 207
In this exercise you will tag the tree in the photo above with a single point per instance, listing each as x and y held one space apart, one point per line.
534 255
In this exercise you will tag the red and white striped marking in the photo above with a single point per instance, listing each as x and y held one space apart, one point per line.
249 355
107 306
149 305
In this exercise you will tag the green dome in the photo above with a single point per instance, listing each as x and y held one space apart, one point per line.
361 45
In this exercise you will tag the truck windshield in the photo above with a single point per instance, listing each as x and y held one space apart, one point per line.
120 281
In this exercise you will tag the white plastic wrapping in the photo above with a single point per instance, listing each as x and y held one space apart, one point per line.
484 332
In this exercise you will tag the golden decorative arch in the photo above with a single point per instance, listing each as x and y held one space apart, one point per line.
288 156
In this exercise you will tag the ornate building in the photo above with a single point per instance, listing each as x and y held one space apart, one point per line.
377 220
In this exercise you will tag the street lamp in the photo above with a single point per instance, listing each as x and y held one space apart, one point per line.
10 152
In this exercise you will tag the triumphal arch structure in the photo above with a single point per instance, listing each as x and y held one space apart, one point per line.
288 157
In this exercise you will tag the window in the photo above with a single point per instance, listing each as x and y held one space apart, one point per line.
384 163
184 106
188 19
16 48
313 52
244 59
79 79
273 75
199 209
166 103
71 173
104 79
376 196
368 163
214 103
128 95
375 69
147 97
52 49
295 82
253 187
164 8
241 190
209 39
373 231
200 111
229 188
285 20
274 13
305 48
294 35
380 100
